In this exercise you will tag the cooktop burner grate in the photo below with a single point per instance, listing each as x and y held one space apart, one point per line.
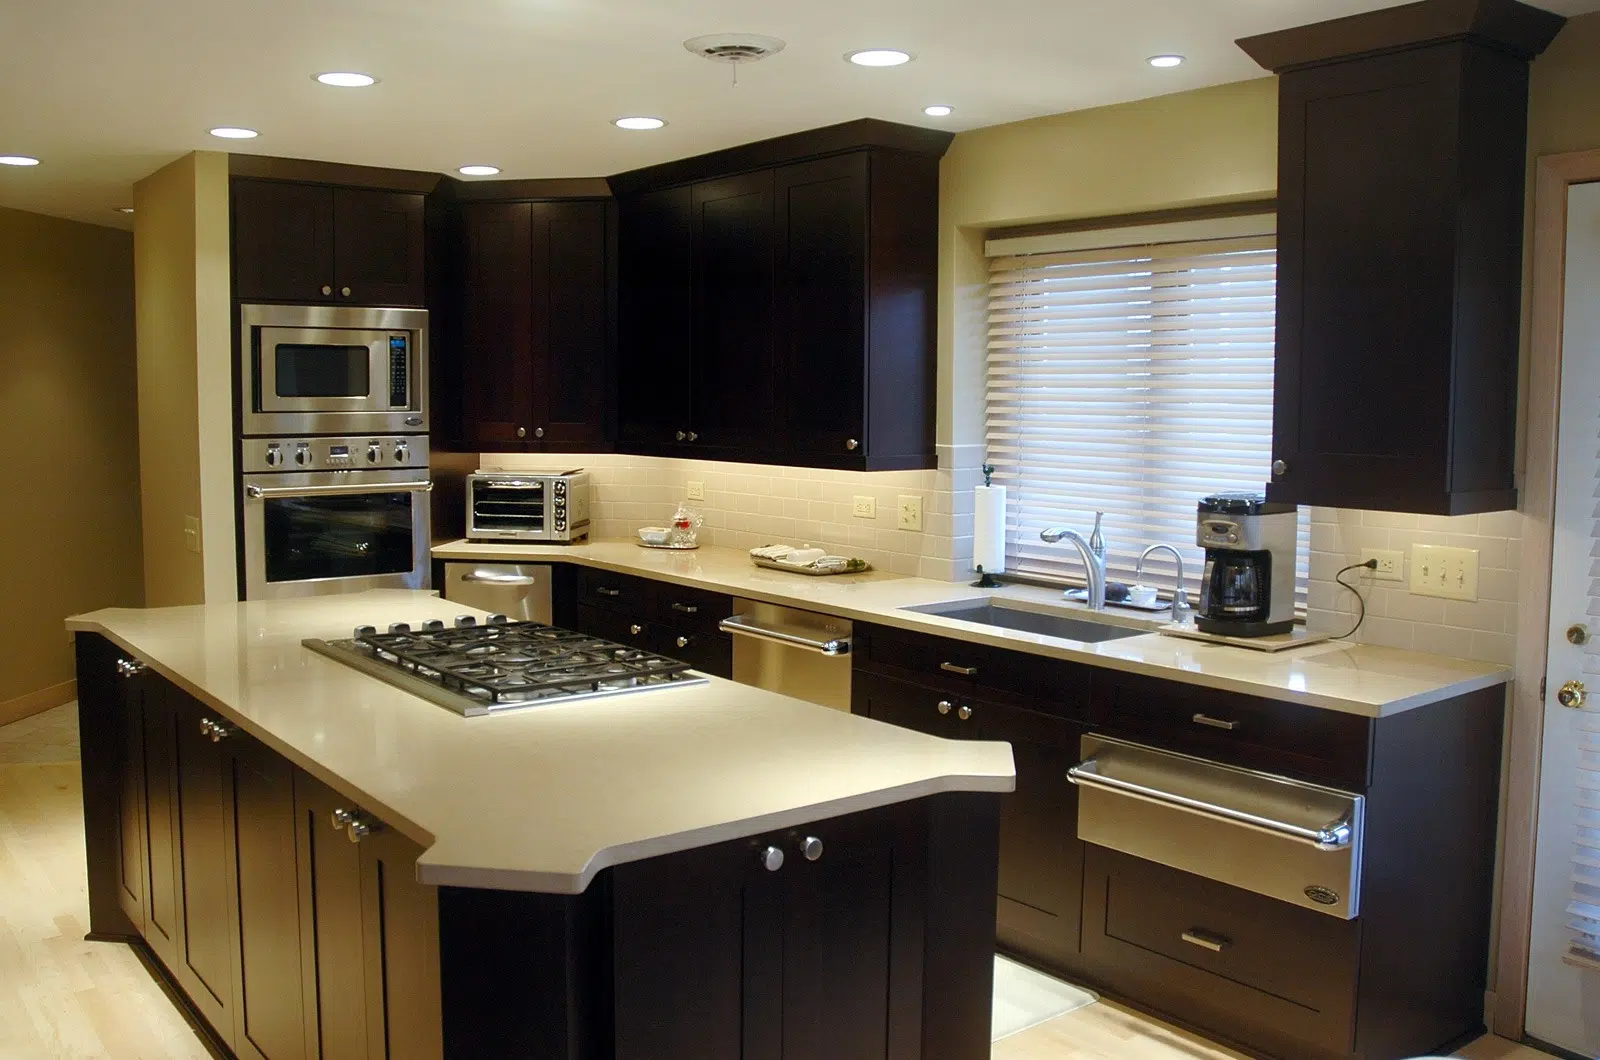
475 669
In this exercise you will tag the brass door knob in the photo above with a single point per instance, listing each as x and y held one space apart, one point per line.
1572 694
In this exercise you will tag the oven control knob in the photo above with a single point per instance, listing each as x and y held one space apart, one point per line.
274 456
374 453
561 489
302 456
401 453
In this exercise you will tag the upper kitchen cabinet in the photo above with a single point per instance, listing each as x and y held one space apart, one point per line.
1402 142
534 345
777 300
318 243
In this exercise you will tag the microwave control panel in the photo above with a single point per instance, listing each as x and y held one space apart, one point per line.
399 371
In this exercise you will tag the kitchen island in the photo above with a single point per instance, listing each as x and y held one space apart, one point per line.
324 865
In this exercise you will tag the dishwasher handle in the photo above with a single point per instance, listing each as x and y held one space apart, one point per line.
1335 835
491 578
740 626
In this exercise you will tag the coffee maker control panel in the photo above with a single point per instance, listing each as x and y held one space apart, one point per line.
1218 533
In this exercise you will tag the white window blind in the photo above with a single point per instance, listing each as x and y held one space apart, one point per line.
1132 380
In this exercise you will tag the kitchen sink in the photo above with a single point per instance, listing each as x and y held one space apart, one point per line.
1046 623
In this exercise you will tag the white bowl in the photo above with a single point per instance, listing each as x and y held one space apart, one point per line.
655 535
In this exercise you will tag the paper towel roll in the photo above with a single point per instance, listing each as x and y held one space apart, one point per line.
989 528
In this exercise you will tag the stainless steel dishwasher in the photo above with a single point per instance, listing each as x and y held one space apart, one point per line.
1297 842
798 653
520 591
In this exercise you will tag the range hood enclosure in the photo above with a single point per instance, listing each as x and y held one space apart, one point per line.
1401 161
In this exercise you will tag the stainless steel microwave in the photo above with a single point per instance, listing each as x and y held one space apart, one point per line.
332 370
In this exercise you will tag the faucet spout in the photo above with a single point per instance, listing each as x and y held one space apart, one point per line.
1094 564
1182 613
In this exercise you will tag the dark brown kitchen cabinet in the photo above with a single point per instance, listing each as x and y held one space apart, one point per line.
654 291
132 864
163 903
535 311
319 244
672 620
332 951
751 950
1400 200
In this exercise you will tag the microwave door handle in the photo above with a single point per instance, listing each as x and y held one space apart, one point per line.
351 490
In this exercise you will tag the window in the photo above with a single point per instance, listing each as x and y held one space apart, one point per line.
1130 372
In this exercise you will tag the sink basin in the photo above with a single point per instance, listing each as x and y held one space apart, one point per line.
1045 623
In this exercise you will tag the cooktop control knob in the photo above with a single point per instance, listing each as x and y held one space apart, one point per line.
466 621
401 453
374 453
274 456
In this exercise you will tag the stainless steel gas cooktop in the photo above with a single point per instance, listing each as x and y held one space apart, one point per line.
500 665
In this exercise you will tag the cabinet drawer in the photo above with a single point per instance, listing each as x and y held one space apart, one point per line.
1287 738
691 609
962 668
710 653
1248 968
618 592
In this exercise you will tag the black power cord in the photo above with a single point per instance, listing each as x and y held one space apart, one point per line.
1361 604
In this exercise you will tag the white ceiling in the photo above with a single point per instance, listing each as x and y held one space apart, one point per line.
106 91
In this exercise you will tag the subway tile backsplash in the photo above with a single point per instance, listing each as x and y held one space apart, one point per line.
748 505
1484 629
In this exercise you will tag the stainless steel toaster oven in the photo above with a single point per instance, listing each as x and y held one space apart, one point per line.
528 506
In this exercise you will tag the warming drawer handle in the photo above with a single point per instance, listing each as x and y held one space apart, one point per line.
1335 835
491 578
737 624
342 490
1206 940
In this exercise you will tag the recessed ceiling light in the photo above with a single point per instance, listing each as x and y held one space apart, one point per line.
879 57
639 123
124 209
229 132
478 171
1164 61
18 160
346 79
938 110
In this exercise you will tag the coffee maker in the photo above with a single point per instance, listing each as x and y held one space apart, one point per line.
1248 586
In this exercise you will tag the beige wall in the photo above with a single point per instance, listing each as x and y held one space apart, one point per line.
185 388
69 523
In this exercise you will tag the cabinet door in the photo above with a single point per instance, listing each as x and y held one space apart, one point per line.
733 361
710 653
1041 857
333 953
205 967
283 242
497 371
131 809
163 905
400 935
268 1001
571 311
378 242
822 307
904 704
654 303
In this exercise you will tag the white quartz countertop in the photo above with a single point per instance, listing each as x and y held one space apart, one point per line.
1335 675
539 799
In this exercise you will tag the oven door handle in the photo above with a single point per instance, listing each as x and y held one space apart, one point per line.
1335 835
341 490
738 625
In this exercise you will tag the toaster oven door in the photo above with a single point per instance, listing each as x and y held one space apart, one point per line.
511 509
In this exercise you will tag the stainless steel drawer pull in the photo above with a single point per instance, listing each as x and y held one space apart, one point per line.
1335 835
964 671
607 591
738 624
1206 940
1215 723
687 609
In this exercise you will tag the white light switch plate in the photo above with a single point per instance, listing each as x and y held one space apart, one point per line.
191 533
697 490
864 508
1451 573
1391 563
910 511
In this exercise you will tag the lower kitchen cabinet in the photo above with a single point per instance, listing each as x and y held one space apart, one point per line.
163 903
670 620
131 854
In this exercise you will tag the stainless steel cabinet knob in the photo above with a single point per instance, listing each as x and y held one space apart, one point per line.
327 289
345 291
772 859
636 629
852 445
1572 694
130 667
693 437
964 713
683 436
683 642
538 432
945 706
360 828
811 847
522 432
1280 467
341 819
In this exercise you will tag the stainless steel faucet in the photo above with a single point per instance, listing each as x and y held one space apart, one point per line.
1094 562
1181 611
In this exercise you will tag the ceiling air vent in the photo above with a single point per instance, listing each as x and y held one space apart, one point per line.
735 49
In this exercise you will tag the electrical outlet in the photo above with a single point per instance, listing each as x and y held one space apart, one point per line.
191 533
910 511
1391 564
697 490
1451 573
864 508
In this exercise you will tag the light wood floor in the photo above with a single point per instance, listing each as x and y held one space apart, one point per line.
63 997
